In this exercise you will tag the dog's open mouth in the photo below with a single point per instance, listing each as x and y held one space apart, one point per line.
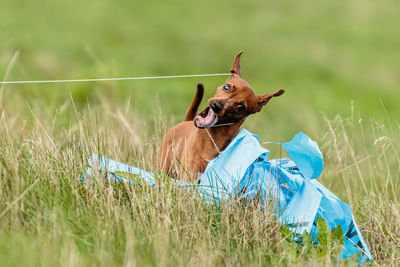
207 118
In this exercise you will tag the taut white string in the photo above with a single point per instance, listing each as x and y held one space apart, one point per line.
117 79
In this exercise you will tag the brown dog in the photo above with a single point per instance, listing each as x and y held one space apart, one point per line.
190 145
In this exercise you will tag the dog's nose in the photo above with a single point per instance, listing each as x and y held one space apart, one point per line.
216 106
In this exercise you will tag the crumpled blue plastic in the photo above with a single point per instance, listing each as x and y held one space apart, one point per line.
288 186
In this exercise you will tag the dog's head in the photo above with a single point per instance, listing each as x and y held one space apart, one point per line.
233 101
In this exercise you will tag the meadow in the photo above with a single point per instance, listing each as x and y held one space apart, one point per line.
339 64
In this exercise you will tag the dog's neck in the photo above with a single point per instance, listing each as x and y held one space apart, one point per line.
223 135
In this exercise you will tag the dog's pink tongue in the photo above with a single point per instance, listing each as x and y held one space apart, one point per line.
207 120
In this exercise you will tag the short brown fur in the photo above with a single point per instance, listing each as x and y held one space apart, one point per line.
187 148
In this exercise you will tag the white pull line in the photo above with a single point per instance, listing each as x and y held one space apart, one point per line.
117 79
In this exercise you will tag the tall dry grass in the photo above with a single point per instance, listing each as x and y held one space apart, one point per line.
363 167
48 216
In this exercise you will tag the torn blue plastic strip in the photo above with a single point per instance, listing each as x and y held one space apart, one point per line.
289 186
224 173
306 154
109 167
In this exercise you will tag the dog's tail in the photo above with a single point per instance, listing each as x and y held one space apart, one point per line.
192 111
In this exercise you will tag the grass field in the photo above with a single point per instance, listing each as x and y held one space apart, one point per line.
339 64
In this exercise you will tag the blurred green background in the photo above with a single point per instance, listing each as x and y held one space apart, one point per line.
330 56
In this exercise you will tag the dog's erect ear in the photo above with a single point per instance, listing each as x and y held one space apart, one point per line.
236 65
263 99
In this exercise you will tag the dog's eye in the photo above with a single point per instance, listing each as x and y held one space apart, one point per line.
240 108
226 87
